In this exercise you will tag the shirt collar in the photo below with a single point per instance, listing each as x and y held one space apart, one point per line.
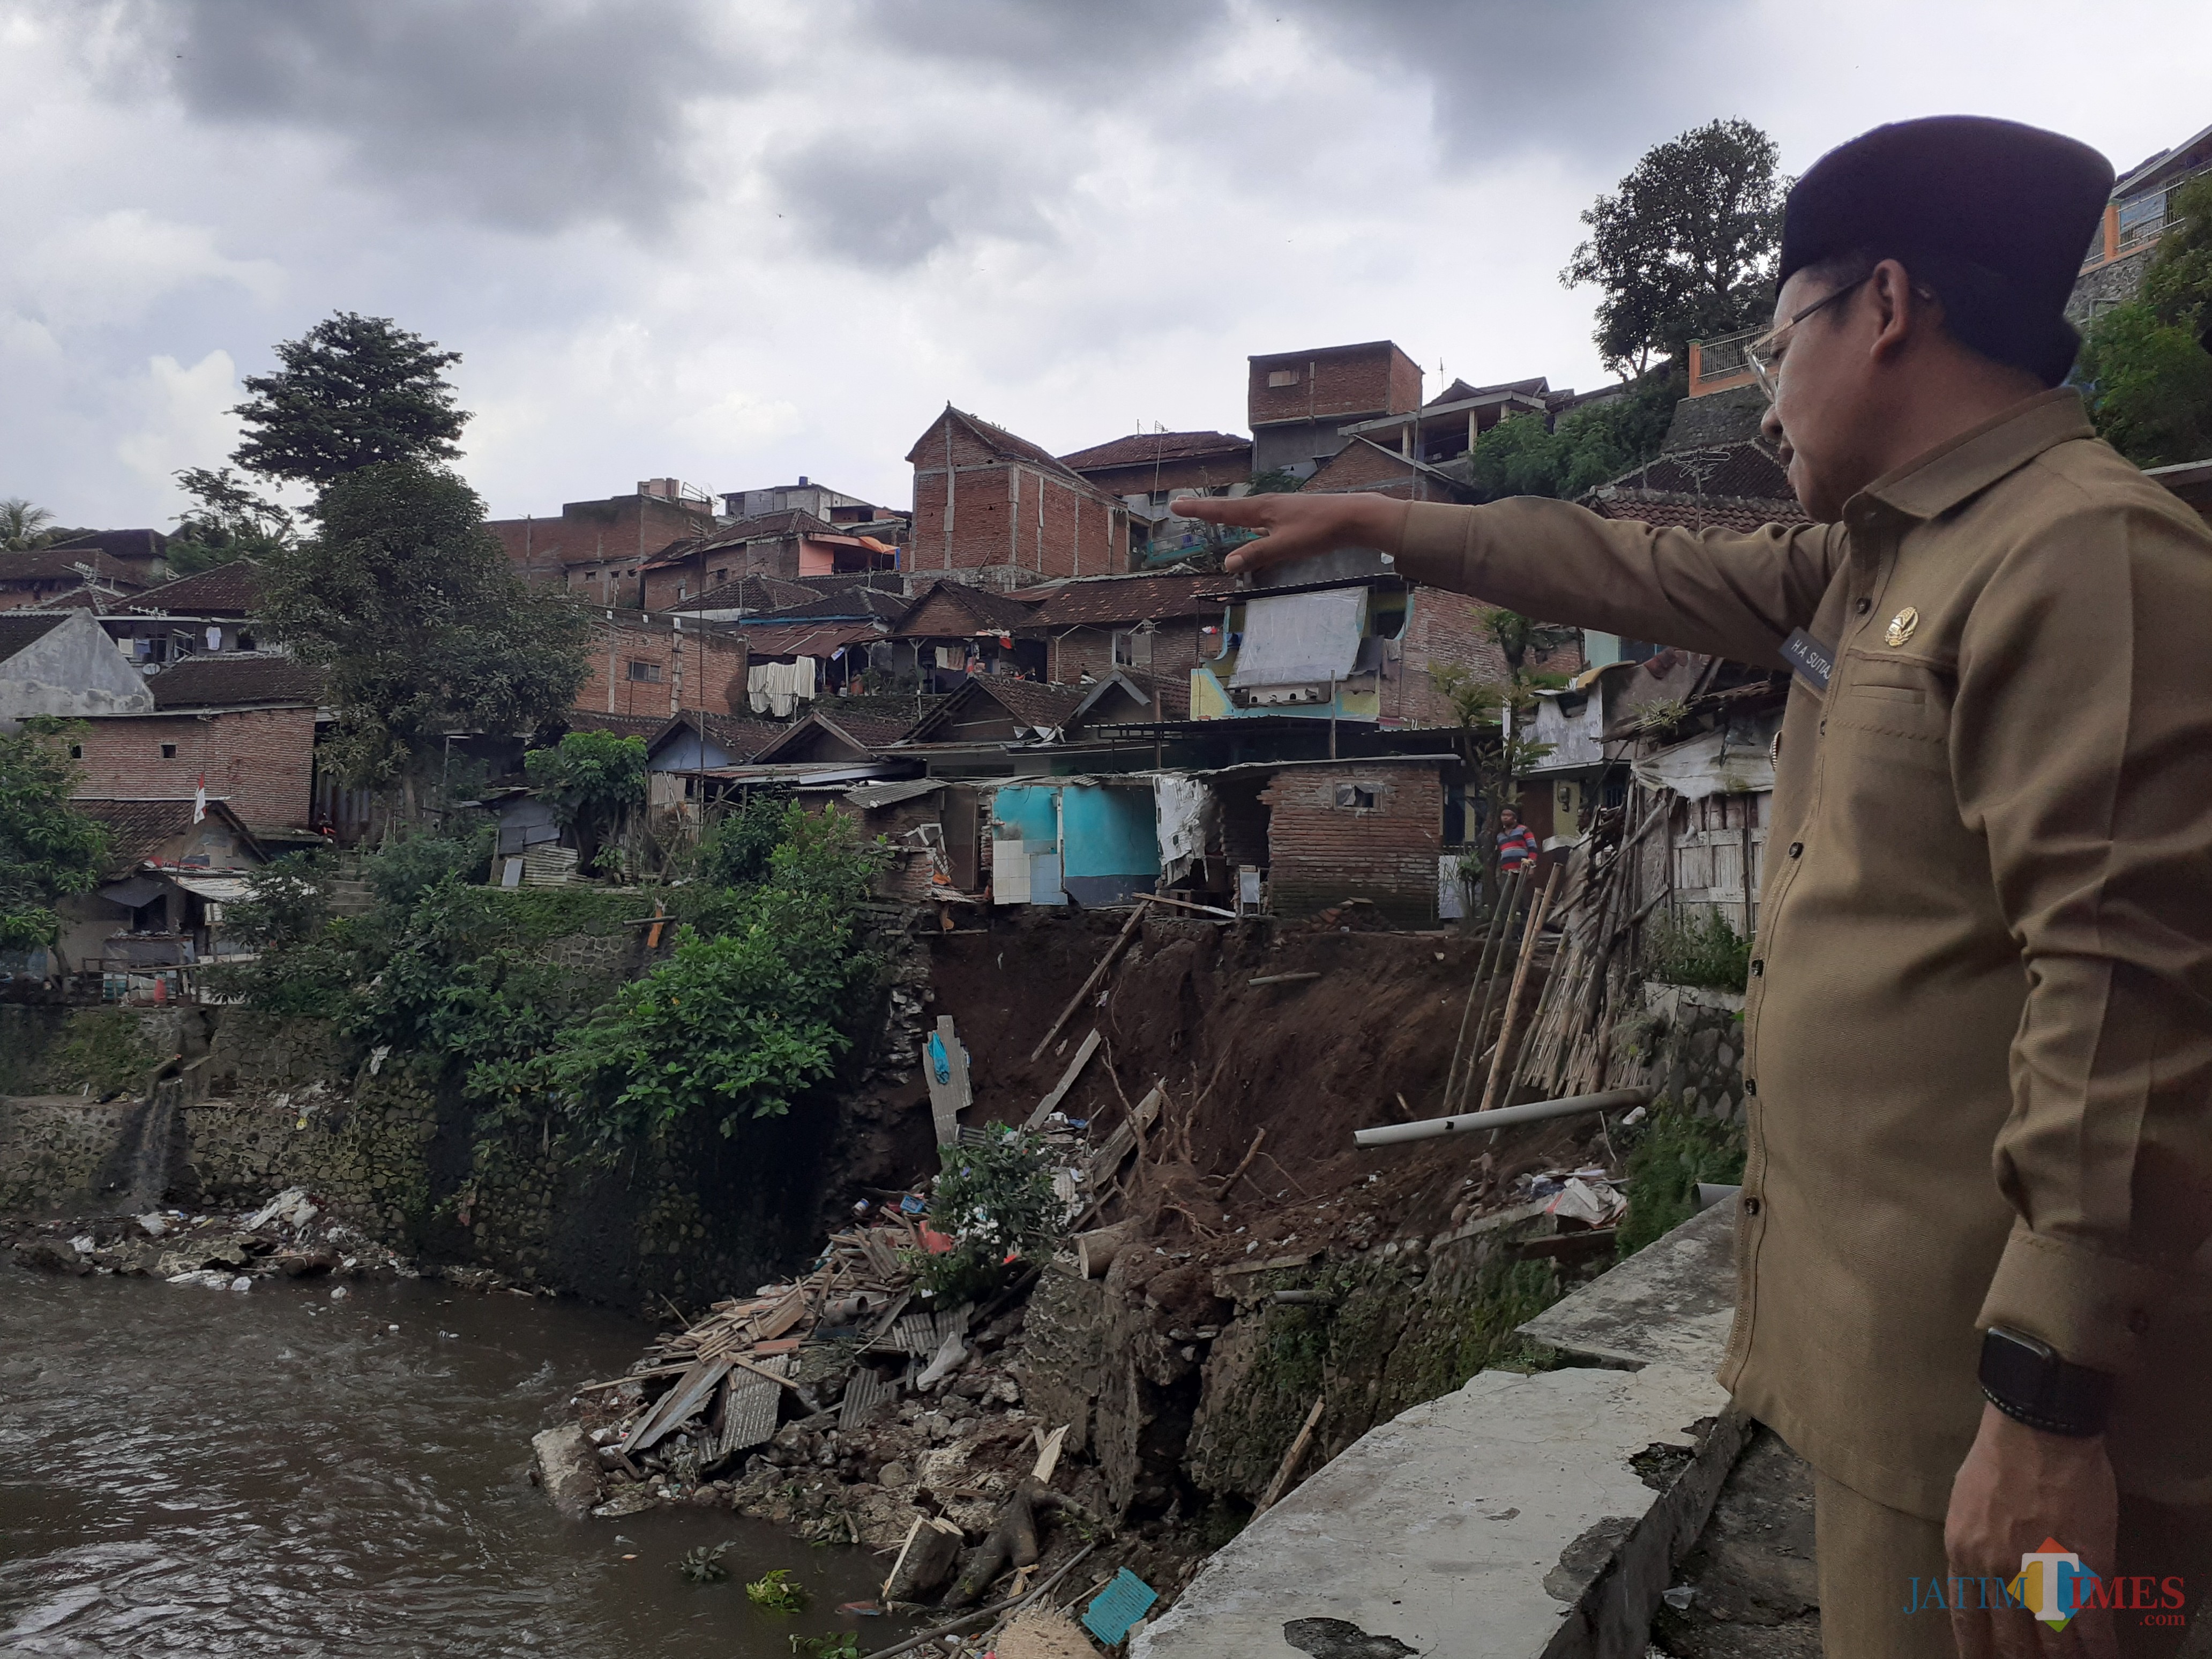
1938 481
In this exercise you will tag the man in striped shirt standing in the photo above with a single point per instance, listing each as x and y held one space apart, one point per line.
1517 843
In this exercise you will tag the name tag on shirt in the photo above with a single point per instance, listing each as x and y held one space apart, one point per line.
1815 660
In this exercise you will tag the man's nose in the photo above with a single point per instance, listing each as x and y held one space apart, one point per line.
1770 425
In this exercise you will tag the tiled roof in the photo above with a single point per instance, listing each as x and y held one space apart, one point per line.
1460 390
1005 445
1031 703
96 600
759 594
803 639
135 544
1745 469
990 608
852 602
135 827
876 731
235 587
1097 601
772 526
235 677
52 564
20 630
1695 513
1148 448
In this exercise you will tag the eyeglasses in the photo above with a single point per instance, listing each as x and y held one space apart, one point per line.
1763 357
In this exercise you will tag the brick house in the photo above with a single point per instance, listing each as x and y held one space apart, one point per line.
599 550
1296 402
244 725
642 664
951 629
999 511
1364 465
120 561
1162 625
786 545
1369 829
1156 467
210 611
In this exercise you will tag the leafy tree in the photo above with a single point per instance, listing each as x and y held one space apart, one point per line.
1520 457
1685 249
1277 481
2147 365
48 850
353 391
593 779
23 527
228 522
734 1026
423 626
996 1202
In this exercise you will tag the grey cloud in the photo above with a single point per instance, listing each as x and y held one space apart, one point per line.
889 202
526 114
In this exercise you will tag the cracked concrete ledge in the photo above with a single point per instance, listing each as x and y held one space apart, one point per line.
1525 1517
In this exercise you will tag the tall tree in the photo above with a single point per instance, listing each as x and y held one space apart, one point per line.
48 850
422 625
23 526
353 391
227 521
1685 248
2147 365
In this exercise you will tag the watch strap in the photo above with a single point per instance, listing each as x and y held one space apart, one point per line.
2026 1380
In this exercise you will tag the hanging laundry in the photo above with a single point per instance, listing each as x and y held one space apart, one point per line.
951 656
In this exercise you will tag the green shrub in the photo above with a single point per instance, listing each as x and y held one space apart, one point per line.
404 871
1708 951
104 1049
1673 1151
777 1592
997 1203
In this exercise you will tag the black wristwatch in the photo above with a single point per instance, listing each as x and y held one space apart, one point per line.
2028 1381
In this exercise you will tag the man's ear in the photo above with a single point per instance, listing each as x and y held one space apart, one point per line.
1899 313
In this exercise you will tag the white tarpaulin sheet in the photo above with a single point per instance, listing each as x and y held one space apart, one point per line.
1713 763
1301 639
1179 804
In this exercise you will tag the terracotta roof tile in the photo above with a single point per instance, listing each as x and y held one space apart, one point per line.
1099 601
759 594
135 827
1746 470
803 639
20 630
741 734
50 564
1694 513
990 608
1148 448
235 587
233 677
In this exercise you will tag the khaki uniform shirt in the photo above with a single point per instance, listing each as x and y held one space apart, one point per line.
1979 1036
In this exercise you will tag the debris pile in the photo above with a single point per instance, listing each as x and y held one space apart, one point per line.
293 1236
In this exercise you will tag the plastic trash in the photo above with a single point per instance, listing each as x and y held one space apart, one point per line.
941 1063
1124 1600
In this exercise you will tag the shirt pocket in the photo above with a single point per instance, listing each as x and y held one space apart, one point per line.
1902 705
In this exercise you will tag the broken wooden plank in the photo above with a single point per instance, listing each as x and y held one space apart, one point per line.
781 1318
1050 1103
1186 904
949 1095
1122 939
1123 1140
1049 1447
1291 1459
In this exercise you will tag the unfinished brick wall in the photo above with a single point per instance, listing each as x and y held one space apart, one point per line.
1176 648
1321 853
1339 382
1441 627
260 760
602 537
656 670
1007 523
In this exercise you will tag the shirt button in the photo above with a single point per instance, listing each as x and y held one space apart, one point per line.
1863 607
1750 1205
1796 850
1758 968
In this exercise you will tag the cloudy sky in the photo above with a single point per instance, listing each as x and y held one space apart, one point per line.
736 240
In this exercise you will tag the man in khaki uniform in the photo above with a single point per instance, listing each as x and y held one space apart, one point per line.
1979 1052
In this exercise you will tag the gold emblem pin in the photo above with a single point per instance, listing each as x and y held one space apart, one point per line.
1901 626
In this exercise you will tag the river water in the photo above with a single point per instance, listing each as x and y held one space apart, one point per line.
274 1473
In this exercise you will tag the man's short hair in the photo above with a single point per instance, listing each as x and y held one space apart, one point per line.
1981 309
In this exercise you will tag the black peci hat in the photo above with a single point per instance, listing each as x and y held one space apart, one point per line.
1997 216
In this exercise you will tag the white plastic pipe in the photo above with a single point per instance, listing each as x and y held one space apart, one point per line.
1499 1117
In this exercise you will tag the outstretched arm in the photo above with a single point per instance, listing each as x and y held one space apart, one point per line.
1720 591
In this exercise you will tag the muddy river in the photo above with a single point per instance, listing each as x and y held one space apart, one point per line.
274 1473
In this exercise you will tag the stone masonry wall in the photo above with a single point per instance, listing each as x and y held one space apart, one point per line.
1692 1043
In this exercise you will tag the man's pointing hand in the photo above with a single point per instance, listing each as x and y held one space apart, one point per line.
1299 526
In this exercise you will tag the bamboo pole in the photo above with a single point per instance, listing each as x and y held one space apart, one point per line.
1536 912
1098 973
